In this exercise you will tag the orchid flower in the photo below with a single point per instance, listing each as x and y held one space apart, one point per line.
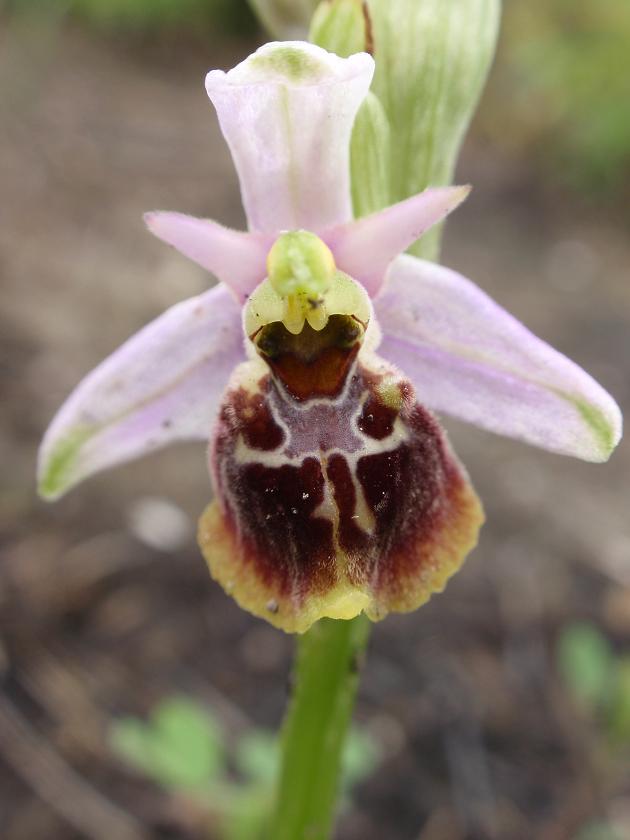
314 364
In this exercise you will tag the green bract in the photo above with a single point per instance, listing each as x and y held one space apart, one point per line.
341 26
432 58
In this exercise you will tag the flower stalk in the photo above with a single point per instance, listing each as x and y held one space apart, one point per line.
326 678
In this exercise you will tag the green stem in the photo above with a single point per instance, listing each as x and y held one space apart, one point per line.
326 678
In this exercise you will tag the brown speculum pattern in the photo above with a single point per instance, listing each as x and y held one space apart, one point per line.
336 491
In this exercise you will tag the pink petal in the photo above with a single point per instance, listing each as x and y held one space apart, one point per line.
287 113
163 385
236 258
364 248
469 358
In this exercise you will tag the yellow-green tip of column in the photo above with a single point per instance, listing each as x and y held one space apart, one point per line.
301 268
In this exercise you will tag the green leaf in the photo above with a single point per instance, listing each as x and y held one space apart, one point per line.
361 757
187 742
257 756
249 817
586 663
618 717
132 741
180 747
598 830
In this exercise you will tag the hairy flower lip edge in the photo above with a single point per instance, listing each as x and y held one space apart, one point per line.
434 533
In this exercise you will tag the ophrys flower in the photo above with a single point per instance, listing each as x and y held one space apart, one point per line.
310 364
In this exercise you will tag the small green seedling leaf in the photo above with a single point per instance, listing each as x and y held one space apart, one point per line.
618 717
248 818
360 758
257 756
598 830
181 746
187 741
131 739
586 663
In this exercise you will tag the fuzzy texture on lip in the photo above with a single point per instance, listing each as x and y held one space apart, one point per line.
337 506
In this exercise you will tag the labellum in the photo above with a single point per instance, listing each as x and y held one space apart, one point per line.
337 492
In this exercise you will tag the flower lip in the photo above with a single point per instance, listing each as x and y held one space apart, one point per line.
290 63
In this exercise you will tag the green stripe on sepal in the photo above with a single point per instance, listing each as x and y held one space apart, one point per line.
599 425
56 471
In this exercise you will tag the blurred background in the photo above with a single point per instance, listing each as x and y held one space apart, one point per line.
136 699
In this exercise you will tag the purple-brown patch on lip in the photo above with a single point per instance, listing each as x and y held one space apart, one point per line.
254 420
426 513
376 420
343 506
290 546
267 545
354 541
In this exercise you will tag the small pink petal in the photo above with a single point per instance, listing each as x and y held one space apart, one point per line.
287 113
470 358
238 259
364 248
163 385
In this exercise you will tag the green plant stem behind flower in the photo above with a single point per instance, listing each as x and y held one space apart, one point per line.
432 58
325 683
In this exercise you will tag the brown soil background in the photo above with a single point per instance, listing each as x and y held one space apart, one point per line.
480 739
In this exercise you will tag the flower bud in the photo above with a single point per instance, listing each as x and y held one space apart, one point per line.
341 26
344 27
432 58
